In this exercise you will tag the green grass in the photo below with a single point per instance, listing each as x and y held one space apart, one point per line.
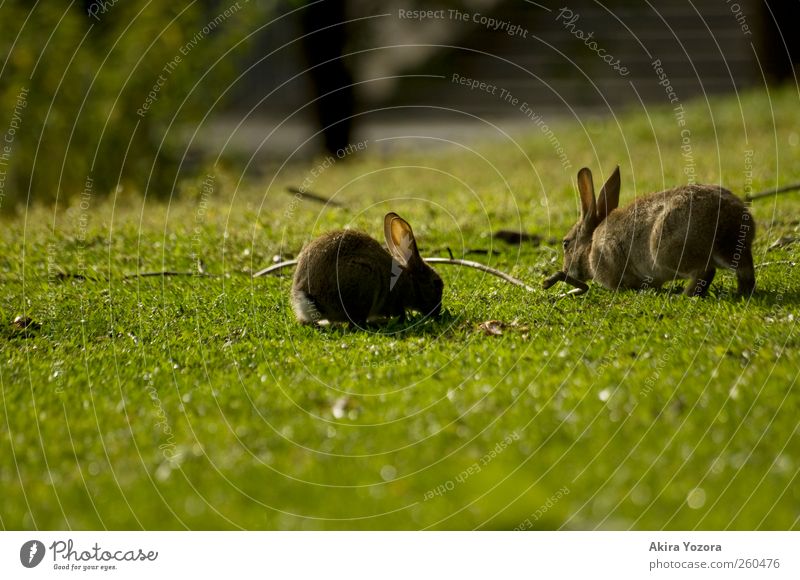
604 411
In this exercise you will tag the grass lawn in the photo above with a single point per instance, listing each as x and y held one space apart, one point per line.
199 402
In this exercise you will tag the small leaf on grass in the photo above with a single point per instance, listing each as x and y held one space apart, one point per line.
492 327
497 327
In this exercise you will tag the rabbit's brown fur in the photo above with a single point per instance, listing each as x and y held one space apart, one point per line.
347 276
685 232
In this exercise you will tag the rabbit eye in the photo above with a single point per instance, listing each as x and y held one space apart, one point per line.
565 243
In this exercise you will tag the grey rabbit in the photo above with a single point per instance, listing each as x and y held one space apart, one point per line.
347 276
684 232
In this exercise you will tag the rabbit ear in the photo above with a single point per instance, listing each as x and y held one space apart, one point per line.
586 189
609 196
400 239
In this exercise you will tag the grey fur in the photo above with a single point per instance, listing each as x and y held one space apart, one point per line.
685 232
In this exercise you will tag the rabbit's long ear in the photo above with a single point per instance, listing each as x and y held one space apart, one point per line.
609 196
586 189
400 239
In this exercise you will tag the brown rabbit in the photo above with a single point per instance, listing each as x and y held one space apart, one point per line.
685 232
347 276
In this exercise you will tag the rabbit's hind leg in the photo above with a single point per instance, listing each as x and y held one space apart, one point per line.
699 283
357 315
305 309
741 261
745 274
358 305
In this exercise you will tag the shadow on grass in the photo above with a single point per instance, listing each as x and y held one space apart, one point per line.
766 297
415 325
760 297
770 297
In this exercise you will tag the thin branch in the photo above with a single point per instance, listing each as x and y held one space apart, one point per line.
167 273
275 268
482 268
774 191
313 196
289 263
452 261
790 262
67 275
70 276
518 238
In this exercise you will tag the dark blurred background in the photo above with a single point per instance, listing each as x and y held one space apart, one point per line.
125 94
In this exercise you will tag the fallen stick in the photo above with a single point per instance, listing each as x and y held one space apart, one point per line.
451 261
166 273
482 268
275 268
774 191
312 196
790 262
289 263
